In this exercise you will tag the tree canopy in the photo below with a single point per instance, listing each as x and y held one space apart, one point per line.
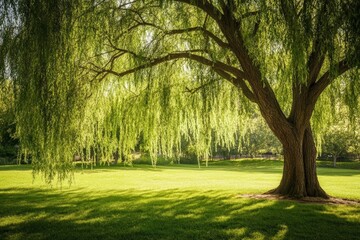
104 74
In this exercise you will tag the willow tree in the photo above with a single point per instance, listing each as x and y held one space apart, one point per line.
166 70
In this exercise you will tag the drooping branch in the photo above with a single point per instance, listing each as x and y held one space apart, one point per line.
202 29
230 73
179 55
206 32
238 82
122 51
230 28
194 90
263 93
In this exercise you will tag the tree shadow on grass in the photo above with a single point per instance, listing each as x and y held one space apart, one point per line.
254 165
337 172
171 214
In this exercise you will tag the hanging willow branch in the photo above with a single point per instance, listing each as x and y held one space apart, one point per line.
94 78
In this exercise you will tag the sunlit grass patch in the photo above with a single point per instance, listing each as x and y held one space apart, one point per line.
173 202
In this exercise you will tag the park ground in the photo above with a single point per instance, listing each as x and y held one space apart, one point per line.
175 202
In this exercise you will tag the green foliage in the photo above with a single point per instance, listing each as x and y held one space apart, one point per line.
7 113
341 137
352 27
337 143
8 155
259 139
341 143
87 74
8 141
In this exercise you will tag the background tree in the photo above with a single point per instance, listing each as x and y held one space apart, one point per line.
259 139
8 140
355 144
341 138
184 68
337 143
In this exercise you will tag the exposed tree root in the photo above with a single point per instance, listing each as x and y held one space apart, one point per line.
317 200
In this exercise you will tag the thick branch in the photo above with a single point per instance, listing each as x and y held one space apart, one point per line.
260 88
326 79
304 104
317 56
206 32
232 74
206 6
289 11
125 51
216 65
194 90
314 65
231 30
263 93
220 42
239 83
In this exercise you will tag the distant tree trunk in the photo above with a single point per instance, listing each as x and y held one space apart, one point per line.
334 160
299 173
116 157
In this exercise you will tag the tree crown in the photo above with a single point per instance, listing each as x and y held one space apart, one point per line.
104 74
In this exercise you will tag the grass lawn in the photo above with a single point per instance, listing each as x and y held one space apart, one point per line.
173 202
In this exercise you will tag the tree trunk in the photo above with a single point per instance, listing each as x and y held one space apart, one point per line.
299 173
334 160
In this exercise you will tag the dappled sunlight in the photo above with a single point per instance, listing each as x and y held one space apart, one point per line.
188 203
281 234
242 233
253 206
221 218
235 232
128 214
90 221
343 213
290 207
255 235
15 219
187 216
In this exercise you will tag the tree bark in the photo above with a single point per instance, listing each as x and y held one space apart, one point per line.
299 173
